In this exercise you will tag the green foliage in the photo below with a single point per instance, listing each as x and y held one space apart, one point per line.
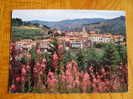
122 49
33 54
68 57
89 57
94 57
100 45
48 58
18 34
114 26
17 22
111 55
53 46
81 60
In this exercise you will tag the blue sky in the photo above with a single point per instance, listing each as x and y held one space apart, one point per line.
58 15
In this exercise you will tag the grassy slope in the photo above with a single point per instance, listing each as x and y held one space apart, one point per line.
23 32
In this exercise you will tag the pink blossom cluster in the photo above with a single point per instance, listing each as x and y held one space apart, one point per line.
35 76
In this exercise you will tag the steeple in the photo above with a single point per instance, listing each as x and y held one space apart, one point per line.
84 29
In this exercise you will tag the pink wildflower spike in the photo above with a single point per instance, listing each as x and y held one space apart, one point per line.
13 87
55 60
23 71
18 79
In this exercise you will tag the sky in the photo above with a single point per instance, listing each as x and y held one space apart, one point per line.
58 15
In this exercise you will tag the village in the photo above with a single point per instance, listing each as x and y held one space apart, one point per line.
80 53
72 40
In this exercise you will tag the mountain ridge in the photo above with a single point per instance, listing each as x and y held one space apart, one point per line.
70 22
102 25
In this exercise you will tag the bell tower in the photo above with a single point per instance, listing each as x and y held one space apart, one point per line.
84 29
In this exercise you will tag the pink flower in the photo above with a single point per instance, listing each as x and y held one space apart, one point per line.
29 56
28 67
55 56
44 60
69 66
18 79
77 82
91 68
38 51
103 70
107 82
86 76
35 70
84 86
55 60
95 80
40 72
94 86
43 65
13 87
52 82
69 86
75 69
60 48
23 79
85 82
50 73
63 78
37 64
23 71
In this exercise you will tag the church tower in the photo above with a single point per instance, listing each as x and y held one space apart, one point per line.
84 29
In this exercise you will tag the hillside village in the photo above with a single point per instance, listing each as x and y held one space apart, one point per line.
71 55
72 40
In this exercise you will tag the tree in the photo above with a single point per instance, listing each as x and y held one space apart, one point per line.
122 49
111 55
67 57
17 22
94 57
36 24
81 60
99 45
89 57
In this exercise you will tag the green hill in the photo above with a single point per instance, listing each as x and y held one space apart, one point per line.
115 26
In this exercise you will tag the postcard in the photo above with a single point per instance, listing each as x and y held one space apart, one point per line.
68 51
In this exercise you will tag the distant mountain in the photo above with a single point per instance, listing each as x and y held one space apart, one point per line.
115 26
69 25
